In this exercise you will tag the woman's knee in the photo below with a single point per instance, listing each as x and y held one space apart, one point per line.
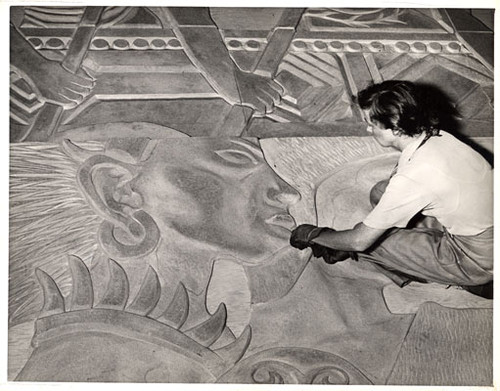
377 191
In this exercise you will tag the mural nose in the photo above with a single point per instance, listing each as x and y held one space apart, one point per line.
283 193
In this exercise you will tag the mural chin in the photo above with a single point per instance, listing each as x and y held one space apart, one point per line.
281 224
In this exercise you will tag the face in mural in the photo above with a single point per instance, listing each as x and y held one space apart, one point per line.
215 197
220 193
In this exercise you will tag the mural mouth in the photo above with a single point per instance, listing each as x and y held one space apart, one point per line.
283 220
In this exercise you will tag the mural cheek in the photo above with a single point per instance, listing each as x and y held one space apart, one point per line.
182 200
244 225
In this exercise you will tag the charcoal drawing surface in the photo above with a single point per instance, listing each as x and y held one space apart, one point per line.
161 156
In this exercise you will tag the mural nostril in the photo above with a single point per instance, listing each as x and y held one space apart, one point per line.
283 194
289 197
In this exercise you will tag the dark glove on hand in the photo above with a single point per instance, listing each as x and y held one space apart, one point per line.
319 251
303 234
330 255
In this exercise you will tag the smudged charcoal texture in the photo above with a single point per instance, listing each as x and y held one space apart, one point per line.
447 346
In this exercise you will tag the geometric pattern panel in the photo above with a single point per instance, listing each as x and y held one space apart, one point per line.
314 86
319 57
375 19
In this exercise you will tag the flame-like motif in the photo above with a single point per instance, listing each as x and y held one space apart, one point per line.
112 316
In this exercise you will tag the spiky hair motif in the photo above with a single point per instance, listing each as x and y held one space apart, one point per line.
49 218
61 316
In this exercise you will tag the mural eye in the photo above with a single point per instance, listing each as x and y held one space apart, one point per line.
237 156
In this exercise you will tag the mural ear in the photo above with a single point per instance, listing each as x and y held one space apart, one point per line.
127 231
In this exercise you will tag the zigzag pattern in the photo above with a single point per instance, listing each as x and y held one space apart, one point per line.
80 305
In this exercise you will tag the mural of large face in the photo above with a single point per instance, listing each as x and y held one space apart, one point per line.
218 194
207 199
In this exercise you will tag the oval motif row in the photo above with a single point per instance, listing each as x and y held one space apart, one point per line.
376 46
109 43
155 43
246 44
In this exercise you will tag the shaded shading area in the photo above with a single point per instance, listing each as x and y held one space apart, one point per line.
408 300
476 27
340 313
447 347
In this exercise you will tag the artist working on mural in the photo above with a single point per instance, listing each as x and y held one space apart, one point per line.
433 219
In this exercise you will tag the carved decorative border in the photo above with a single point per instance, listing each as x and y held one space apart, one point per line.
258 44
109 43
367 46
357 46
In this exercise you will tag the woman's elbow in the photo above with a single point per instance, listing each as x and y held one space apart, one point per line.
364 240
362 244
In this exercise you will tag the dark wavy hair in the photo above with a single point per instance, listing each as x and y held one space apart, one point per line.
400 106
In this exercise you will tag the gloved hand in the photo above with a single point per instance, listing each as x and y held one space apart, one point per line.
303 234
318 250
329 255
333 256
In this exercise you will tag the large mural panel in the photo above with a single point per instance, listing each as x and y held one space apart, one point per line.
160 158
231 71
122 246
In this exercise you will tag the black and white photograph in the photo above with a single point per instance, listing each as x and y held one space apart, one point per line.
250 196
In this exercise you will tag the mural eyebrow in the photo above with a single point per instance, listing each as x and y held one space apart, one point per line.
255 149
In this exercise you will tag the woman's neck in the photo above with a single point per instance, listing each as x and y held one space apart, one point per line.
403 141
